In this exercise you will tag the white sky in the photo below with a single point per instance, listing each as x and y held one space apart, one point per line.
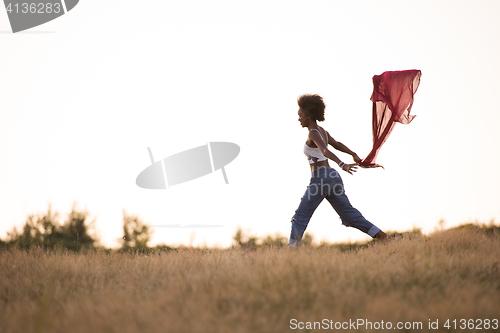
83 96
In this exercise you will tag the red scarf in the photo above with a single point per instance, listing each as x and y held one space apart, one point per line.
392 101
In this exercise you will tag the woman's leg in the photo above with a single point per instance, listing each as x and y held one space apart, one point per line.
351 217
310 201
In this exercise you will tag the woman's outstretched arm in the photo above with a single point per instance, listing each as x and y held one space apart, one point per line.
316 138
343 148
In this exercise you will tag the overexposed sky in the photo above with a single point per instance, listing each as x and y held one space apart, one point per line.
83 96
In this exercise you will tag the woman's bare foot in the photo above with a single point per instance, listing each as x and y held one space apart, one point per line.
381 235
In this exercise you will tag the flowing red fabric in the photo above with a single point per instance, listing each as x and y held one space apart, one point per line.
392 101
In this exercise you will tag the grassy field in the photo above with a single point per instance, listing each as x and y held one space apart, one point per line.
452 274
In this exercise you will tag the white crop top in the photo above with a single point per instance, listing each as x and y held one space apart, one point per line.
314 154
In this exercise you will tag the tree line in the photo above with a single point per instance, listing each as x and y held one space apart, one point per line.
76 232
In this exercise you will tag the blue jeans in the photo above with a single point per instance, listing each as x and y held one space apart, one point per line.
326 183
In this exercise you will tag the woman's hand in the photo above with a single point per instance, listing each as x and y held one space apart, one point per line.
356 158
350 168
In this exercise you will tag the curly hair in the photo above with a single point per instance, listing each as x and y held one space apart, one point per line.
313 106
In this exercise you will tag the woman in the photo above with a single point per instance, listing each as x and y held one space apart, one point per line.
325 181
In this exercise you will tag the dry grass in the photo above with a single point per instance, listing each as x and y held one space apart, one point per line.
451 274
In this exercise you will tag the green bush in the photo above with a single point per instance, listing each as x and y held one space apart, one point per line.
44 230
